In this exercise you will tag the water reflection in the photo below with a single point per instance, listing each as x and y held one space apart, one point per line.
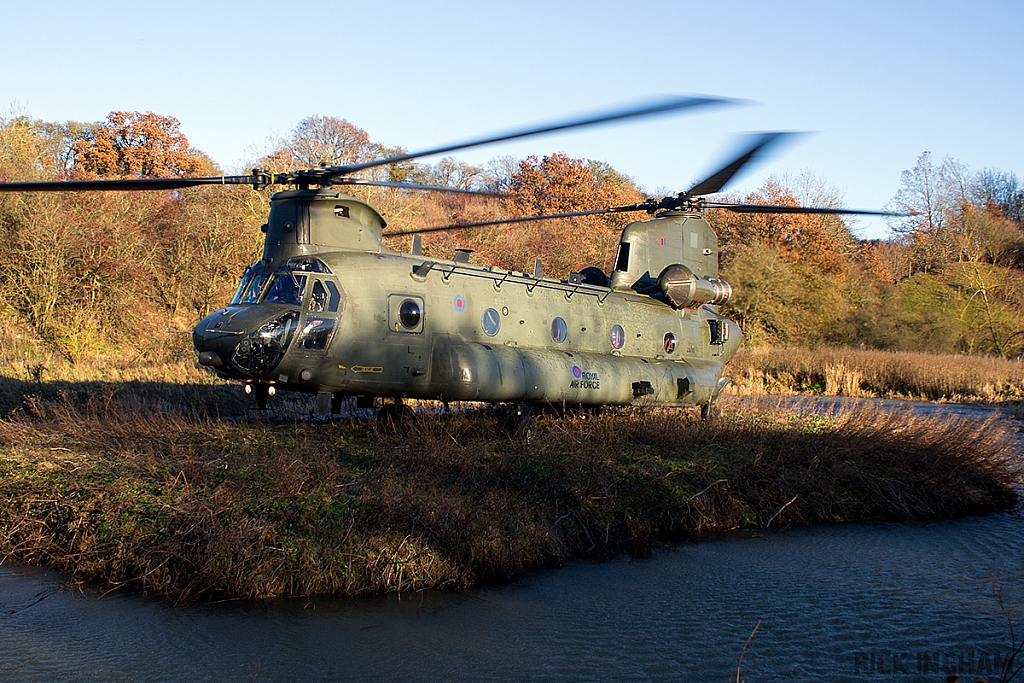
838 603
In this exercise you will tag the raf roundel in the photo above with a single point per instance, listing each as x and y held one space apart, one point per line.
459 303
576 372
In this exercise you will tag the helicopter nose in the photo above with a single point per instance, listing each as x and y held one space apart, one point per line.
216 336
251 342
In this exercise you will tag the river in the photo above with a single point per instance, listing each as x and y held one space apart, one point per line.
859 602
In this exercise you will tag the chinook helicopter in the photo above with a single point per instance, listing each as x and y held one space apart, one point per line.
329 310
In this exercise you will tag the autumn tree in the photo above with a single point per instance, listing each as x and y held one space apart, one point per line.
130 144
821 240
561 184
202 242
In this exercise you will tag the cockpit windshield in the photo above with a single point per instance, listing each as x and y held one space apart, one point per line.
246 280
251 294
251 286
286 288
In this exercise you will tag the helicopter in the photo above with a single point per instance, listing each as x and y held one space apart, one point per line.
330 310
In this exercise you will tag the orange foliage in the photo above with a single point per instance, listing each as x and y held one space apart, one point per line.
132 144
799 237
875 262
561 184
554 184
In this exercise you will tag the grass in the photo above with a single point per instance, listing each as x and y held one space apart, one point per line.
176 503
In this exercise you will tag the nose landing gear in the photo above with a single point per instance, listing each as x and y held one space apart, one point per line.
261 392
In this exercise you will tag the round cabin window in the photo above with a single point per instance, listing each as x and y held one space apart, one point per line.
671 340
618 337
410 314
491 322
559 330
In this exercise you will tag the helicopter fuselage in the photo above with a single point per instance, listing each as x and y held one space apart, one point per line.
330 310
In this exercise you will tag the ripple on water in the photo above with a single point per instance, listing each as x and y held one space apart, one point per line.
828 599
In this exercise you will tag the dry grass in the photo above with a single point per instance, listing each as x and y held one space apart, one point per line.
188 507
883 374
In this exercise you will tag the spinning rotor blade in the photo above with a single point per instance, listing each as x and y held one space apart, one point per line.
414 186
520 219
662 107
771 208
260 180
717 181
653 206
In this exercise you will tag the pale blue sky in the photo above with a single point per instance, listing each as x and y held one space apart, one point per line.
878 82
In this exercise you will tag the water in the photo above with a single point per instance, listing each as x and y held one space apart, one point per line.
843 603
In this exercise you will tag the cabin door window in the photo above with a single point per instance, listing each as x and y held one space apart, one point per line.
323 301
405 314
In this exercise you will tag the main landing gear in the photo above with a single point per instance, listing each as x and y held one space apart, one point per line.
710 411
519 424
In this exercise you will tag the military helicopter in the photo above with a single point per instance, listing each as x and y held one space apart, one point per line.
329 310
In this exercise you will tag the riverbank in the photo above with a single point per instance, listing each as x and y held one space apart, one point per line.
193 508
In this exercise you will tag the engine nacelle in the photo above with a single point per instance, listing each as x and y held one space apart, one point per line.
685 289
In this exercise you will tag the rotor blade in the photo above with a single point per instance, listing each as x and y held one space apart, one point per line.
770 208
413 186
665 106
126 184
521 219
720 178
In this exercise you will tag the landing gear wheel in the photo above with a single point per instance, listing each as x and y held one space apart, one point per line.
519 425
525 429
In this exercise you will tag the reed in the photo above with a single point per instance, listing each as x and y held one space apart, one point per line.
883 374
176 503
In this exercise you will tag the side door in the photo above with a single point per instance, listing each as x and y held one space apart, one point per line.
408 341
320 316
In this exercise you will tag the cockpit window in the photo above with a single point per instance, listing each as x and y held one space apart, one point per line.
251 295
622 258
318 297
246 279
307 264
286 289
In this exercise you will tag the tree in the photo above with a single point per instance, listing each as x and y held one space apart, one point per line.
1002 192
131 144
561 184
920 196
328 140
822 241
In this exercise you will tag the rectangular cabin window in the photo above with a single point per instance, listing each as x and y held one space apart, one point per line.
622 257
719 331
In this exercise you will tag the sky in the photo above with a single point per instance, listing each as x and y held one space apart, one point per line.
877 83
